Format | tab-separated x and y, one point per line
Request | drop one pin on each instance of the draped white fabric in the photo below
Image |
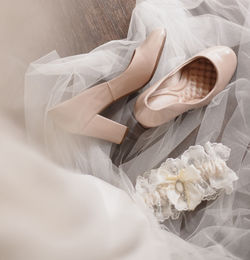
217	229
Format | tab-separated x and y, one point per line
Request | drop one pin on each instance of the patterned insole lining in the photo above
193	83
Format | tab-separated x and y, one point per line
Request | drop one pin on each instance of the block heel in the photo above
103	128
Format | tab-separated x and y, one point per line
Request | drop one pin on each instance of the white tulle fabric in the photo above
218	229
181	184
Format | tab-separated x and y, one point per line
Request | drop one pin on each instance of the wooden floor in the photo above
105	20
89	23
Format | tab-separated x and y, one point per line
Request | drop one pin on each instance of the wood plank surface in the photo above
106	20
87	24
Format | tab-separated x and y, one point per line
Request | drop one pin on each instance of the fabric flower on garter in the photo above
180	184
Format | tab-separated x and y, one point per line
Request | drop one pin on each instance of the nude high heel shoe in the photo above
80	115
191	85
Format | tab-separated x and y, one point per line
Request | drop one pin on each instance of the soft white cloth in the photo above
48	213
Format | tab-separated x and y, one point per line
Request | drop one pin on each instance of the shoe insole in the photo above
189	85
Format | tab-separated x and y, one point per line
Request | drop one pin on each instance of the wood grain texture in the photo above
90	23
107	20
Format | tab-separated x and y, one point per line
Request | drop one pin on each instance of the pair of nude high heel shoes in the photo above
191	85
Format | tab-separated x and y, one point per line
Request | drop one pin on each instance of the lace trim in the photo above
181	184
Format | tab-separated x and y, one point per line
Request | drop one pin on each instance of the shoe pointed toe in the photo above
225	61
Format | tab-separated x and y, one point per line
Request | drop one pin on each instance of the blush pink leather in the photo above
80	115
191	85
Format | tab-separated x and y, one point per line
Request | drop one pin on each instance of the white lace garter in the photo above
181	184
